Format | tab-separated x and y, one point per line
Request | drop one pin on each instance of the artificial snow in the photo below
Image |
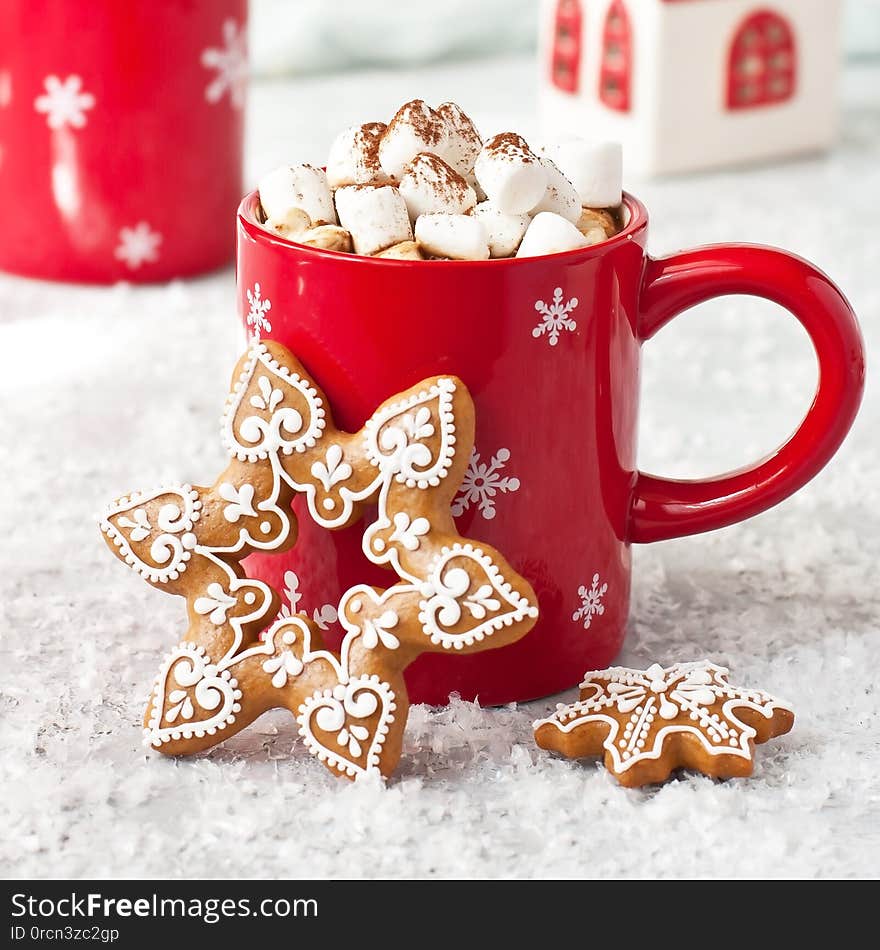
107	390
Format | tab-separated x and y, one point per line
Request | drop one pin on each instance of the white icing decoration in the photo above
241	501
331	711
376	631
140	527
215	603
655	697
394	437
408	533
283	665
447	600
332	470
285	430
216	692
256	594
174	540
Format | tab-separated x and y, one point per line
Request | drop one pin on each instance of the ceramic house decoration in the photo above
687	84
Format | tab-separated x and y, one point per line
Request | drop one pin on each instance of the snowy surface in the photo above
106	390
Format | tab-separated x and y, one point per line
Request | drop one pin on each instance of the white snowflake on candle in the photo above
230	61
256	317
482	482
138	245
555	317
5	88
591	602
64	102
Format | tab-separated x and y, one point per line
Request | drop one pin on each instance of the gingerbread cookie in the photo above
453	595
654	721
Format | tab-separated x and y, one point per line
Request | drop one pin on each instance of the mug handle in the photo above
669	508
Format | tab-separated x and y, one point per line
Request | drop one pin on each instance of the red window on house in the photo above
762	62
615	73
566	60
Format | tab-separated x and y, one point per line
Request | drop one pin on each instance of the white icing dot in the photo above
250	597
378	544
265	527
289	637
356	605
694	716
633	718
640	744
329	504
622	743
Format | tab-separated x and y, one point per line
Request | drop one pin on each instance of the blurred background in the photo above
305	36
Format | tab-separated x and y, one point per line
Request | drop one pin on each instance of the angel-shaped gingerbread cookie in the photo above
452	594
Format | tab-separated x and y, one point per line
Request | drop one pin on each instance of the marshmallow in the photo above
375	215
354	157
504	231
510	174
328	236
464	142
460	237
415	128
595	170
405	251
294	188
294	223
429	185
592	219
550	234
561	196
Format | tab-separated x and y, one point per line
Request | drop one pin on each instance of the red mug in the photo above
120	136
549	348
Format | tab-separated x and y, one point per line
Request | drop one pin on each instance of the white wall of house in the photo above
697	129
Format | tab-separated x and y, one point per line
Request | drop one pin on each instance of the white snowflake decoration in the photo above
323	616
591	602
64	102
482	482
138	245
256	318
555	317
230	61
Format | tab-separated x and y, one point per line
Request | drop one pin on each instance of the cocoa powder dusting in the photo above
459	121
418	115
367	140
511	146
432	170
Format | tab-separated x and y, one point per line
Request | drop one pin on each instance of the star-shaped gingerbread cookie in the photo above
651	722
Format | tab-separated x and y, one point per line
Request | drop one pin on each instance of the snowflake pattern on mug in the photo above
138	245
555	317
230	62
323	616
591	602
256	316
482	482
64	102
